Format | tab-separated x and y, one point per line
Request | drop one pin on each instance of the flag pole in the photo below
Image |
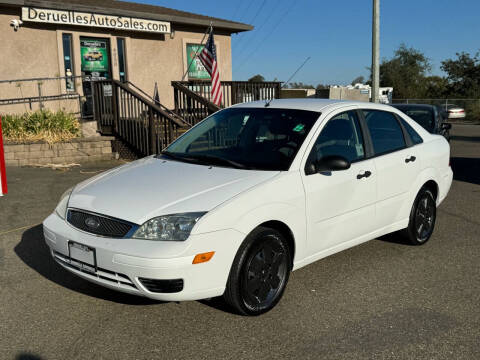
196	52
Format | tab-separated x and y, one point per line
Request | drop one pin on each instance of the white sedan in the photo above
455	112
250	194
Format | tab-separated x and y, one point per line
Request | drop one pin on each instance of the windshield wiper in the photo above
179	157
214	160
204	159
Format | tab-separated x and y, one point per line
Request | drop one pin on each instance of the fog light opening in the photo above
204	257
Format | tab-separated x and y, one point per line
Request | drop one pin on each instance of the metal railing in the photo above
123	112
28	94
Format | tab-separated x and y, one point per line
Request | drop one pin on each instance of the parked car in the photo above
93	56
455	112
432	118
248	195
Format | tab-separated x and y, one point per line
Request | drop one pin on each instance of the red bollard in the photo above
3	172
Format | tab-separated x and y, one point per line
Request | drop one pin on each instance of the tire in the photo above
422	218
259	273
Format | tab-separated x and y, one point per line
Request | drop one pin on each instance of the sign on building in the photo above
94	53
71	17
196	70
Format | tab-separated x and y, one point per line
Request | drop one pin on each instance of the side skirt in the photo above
348	244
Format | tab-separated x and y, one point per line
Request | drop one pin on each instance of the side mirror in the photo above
328	163
446	126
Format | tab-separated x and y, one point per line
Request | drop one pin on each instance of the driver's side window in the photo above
341	136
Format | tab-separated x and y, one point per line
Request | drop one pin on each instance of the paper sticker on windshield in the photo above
299	127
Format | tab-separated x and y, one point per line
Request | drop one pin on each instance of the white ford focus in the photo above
249	194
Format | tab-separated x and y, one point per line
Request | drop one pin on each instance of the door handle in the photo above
364	175
411	158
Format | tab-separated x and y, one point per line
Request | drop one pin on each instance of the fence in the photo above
30	94
235	92
471	106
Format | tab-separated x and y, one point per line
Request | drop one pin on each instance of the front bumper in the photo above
121	263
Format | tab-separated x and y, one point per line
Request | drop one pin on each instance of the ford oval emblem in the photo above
92	223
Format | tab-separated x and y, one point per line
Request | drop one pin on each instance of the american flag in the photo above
208	57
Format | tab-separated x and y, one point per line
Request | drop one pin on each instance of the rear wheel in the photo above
259	273
422	218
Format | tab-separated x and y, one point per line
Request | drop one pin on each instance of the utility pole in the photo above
375	51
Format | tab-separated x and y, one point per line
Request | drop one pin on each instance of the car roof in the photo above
311	104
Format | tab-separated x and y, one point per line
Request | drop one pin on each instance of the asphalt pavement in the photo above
380	300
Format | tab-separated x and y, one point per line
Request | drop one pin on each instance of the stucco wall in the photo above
150	60
36	50
27	53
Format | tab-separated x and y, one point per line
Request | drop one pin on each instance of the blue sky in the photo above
337	34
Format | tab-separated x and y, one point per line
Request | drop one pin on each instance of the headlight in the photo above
61	208
176	227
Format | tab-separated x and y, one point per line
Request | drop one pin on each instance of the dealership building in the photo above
53	49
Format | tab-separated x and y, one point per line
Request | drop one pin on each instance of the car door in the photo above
396	162
340	205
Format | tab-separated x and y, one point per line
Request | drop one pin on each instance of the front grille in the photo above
111	277
162	286
106	226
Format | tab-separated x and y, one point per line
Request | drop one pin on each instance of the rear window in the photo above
385	131
423	116
416	139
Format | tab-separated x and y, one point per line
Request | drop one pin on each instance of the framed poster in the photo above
94	55
196	70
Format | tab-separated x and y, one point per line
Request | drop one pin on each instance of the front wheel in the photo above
259	273
422	218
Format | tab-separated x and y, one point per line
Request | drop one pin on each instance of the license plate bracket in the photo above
82	256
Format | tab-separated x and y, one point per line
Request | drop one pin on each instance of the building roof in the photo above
125	8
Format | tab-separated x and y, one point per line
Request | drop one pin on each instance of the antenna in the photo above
267	104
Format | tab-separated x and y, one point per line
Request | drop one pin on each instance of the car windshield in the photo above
246	138
424	117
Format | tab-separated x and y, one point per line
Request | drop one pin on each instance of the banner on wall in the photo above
94	53
196	70
3	173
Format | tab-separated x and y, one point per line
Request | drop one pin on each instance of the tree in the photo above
357	80
300	85
257	78
406	73
463	75
436	87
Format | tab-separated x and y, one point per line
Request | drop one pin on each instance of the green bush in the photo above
41	125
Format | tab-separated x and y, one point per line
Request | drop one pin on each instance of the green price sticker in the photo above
299	127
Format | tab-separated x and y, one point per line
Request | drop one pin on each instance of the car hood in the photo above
151	187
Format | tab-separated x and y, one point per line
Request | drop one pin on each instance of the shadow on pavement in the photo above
218	303
465	138
33	251
27	356
466	169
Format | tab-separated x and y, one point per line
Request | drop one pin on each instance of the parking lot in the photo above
379	300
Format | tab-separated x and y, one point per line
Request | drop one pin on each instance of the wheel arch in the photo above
433	187
285	231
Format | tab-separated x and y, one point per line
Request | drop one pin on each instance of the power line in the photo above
246	10
268	35
253	33
239	4
258	11
256	32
